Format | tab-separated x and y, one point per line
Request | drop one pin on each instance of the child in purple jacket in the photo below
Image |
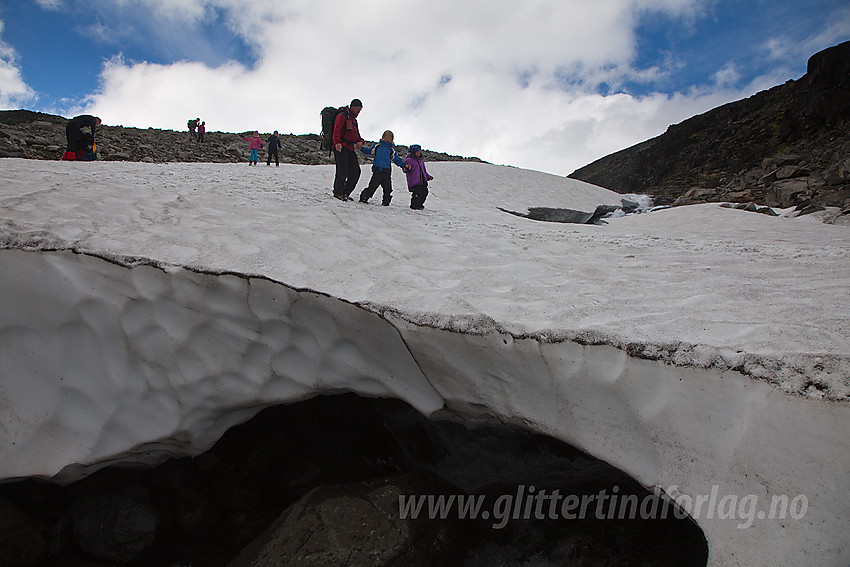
256	143
417	177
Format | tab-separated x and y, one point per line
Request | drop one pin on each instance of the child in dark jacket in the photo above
417	177
273	150
385	156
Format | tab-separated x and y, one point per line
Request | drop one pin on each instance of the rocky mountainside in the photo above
35	135
787	146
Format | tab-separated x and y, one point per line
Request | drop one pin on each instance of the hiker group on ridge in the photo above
340	136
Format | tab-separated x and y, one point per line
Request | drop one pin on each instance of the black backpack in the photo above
329	114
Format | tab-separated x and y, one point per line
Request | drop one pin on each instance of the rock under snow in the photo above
703	350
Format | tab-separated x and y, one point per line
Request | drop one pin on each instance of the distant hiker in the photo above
346	139
193	125
274	146
80	147
202	129
256	143
385	156
417	177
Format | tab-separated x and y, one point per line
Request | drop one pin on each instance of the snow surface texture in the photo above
147	308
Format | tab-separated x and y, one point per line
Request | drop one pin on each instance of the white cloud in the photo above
727	76
181	11
14	92
508	85
50	4
781	48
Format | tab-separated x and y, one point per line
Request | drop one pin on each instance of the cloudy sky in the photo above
540	84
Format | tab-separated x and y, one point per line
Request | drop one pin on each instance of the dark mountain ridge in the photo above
786	146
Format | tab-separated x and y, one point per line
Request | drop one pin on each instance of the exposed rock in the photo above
113	527
786	193
629	206
571	216
780	160
317	483
808	207
27	134
790	171
738	150
751	207
559	215
358	525
695	195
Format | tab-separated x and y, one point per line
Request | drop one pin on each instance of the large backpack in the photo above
329	114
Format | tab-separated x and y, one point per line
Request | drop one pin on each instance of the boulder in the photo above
746	196
549	214
629	206
808	207
780	160
114	527
791	171
769	178
695	195
358	525
786	192
751	207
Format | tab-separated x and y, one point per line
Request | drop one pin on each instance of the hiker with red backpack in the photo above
346	140
79	143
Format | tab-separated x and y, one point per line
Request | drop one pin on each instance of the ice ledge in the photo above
107	359
818	376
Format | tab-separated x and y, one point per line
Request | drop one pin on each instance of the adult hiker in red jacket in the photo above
346	140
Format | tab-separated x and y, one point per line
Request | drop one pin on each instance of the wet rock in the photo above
629	206
559	215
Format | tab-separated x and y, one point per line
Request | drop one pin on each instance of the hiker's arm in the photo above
339	124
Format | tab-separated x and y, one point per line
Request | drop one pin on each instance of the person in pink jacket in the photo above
256	143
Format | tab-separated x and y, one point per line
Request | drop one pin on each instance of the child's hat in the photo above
415	148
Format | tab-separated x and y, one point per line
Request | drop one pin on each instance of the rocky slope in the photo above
27	134
786	146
